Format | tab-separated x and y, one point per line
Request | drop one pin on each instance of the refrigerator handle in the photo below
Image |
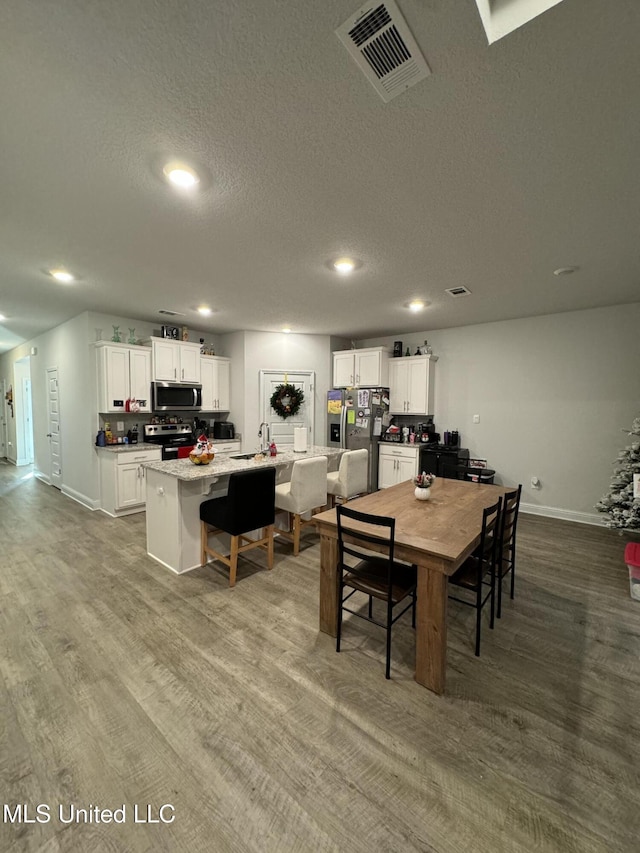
343	427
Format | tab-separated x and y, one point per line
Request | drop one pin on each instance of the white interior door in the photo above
281	431
27	421
53	410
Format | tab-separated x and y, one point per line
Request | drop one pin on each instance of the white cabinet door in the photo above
222	394
411	385
129	491
215	377
386	471
417	382
117	378
140	378
207	371
371	368
343	369
166	361
123	373
407	469
398	379
189	363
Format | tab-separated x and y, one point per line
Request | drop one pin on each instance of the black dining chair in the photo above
478	572
507	544
366	564
248	505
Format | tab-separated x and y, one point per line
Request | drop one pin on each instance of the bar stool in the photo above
351	477
248	505
306	491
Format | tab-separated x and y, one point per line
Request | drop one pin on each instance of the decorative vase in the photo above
422	494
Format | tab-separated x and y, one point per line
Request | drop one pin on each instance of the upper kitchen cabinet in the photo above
411	385
216	383
124	373
364	368
175	361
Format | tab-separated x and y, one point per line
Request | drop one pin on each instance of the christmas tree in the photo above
621	506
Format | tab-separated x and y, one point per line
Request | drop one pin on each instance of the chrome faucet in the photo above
263	433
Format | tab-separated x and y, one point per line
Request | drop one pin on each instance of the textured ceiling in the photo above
509	161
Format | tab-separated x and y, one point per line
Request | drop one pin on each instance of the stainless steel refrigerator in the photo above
356	419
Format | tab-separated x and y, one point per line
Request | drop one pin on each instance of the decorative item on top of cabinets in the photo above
116	335
411	384
132	337
363	368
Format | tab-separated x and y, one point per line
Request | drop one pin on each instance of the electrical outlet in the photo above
476	419
120	426
535	483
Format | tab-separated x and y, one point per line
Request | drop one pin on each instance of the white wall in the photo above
553	394
251	352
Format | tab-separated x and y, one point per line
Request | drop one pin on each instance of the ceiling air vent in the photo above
170	313
458	291
379	40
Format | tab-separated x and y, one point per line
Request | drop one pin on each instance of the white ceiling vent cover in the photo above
458	291
378	38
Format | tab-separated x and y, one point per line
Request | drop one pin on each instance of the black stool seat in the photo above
248	505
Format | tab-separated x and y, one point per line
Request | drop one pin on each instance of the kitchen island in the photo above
176	488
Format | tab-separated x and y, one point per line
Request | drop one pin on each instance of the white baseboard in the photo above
80	498
565	514
40	476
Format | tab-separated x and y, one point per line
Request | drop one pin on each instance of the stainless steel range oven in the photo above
170	437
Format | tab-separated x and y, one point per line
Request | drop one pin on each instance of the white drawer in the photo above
407	451
131	456
226	446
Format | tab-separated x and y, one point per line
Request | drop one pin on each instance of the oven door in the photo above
176	397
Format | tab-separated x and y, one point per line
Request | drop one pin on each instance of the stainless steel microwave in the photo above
176	397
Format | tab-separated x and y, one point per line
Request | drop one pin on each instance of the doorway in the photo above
23	412
281	431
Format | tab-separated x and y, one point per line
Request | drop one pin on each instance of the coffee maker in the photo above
427	432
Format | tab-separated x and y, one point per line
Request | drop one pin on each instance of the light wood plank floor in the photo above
123	683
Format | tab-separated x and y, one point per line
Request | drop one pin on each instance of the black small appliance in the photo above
224	430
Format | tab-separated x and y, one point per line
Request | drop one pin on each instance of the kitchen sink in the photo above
243	456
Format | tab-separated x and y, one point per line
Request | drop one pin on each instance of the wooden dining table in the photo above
437	535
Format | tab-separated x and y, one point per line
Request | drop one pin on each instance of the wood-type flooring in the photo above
123	684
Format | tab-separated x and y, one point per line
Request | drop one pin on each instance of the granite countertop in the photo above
128	448
184	469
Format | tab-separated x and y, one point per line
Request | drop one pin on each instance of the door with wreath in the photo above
282	422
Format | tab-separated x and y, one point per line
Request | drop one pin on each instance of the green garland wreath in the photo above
286	400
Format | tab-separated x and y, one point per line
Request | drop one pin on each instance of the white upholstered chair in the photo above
351	477
306	491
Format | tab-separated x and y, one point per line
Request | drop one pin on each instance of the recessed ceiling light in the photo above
62	276
565	270
2	317
287	330
181	175
344	266
416	305
204	310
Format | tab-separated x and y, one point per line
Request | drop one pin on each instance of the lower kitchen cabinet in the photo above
123	480
397	464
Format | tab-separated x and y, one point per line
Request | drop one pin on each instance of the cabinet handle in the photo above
357	378
183	372
175	373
